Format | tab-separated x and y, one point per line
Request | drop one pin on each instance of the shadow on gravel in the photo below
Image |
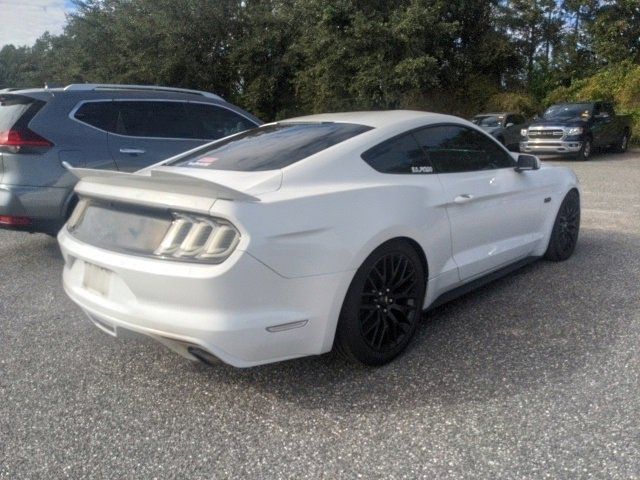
531	329
30	248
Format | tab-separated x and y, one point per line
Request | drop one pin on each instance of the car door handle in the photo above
464	198
132	151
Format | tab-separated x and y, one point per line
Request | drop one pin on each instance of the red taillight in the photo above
12	221
23	138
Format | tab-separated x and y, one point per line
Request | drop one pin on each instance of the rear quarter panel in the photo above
320	229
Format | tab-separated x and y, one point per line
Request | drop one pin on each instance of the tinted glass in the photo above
271	147
153	119
212	122
399	155
569	110
488	121
12	108
608	107
453	149
101	115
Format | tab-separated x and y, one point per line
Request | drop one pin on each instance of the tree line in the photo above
279	58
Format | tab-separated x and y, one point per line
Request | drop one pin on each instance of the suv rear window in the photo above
12	109
271	147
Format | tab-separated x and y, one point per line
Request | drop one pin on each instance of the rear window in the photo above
13	108
271	147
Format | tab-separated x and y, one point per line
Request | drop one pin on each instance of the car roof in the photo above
495	114
375	119
90	91
586	102
95	92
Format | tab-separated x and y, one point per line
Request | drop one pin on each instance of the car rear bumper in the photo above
240	311
550	147
43	206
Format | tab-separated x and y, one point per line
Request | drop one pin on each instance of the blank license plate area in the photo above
96	279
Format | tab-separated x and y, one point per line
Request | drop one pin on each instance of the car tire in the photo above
383	305
566	229
585	152
623	143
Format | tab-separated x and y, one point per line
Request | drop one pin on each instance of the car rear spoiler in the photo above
158	180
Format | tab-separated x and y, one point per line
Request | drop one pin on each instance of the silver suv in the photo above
118	127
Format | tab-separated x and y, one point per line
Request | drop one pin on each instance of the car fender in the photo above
562	181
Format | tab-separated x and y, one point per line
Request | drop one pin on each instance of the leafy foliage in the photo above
279	58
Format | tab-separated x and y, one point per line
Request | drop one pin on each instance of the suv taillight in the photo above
23	138
16	111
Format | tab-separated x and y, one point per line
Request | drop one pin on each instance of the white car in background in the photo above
287	239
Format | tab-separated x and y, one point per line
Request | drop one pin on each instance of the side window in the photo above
101	115
608	107
212	122
518	120
398	155
453	149
152	119
597	109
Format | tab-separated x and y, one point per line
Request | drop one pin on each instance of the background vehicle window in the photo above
608	107
487	120
102	115
398	155
213	122
597	109
153	119
453	149
271	147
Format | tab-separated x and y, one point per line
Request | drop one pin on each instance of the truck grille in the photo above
550	134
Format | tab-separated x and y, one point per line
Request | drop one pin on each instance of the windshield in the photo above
271	147
488	121
568	111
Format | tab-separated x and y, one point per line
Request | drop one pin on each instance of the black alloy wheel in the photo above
566	228
388	302
383	305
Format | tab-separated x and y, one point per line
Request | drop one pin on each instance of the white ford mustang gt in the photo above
288	239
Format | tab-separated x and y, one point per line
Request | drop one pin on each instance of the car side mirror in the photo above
510	124
527	162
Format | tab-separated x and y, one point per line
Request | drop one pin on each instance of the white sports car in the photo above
305	234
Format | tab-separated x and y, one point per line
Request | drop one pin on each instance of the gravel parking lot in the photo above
534	376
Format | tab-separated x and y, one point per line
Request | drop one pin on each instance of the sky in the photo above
23	21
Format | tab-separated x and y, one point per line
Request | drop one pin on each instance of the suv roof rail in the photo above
157	88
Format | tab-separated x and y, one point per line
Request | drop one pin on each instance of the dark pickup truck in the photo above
576	129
